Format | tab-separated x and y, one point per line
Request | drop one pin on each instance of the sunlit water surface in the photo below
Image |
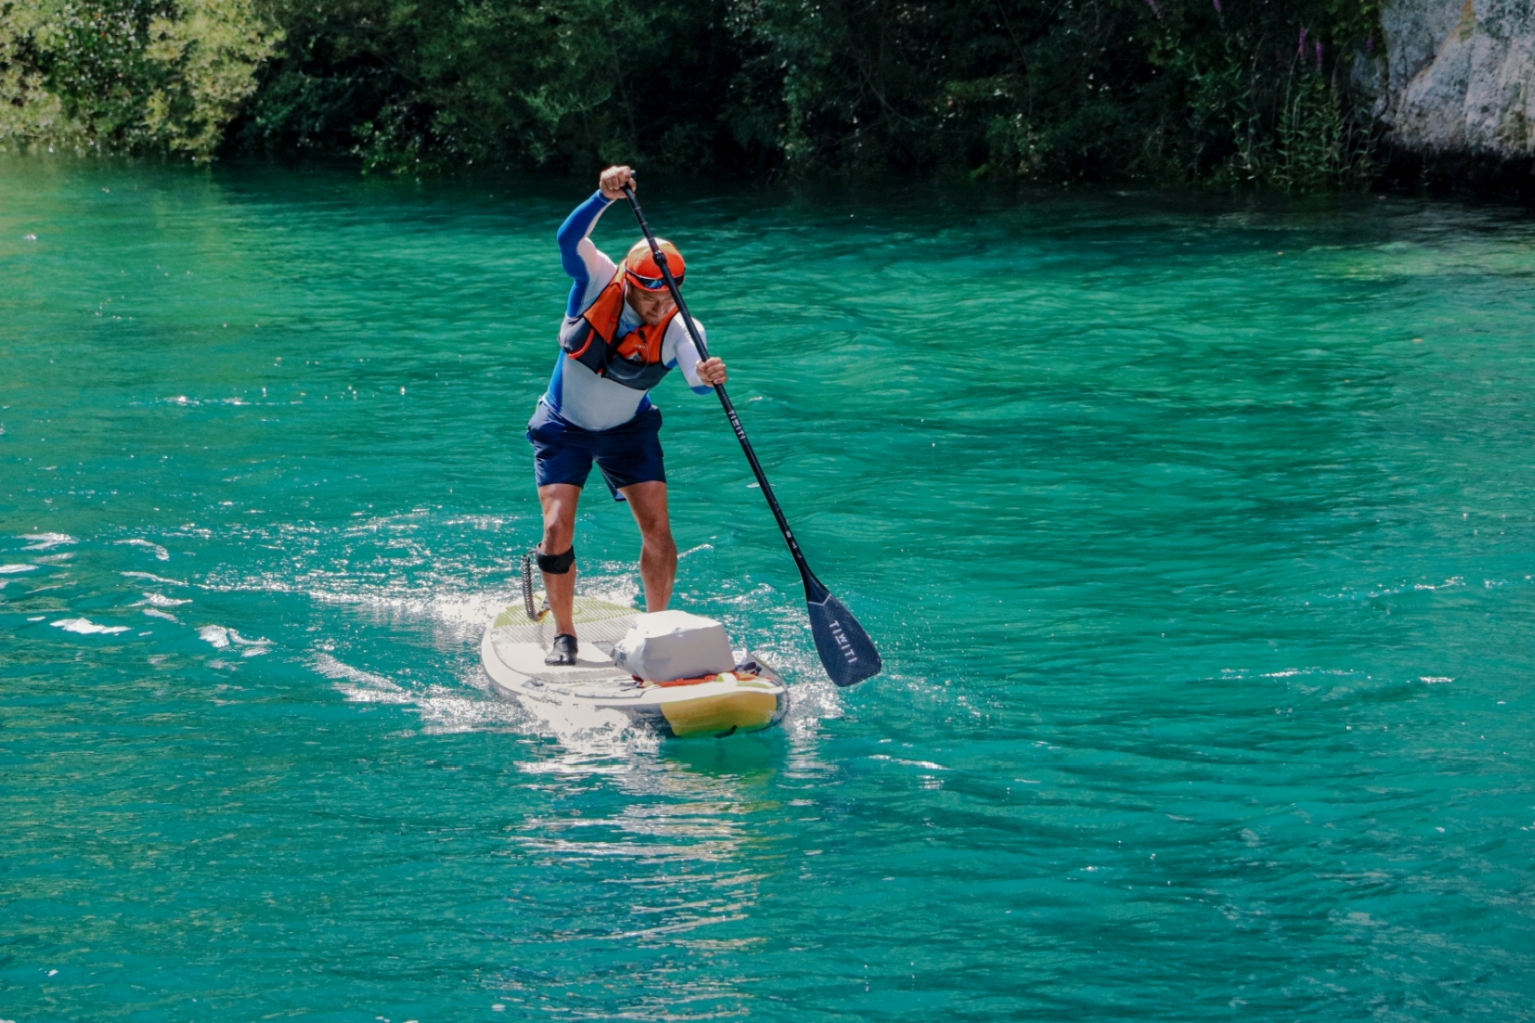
1197	537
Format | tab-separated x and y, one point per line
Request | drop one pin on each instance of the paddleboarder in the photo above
621	335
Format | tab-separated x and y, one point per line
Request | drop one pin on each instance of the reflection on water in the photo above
675	857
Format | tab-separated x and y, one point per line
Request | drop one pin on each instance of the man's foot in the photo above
563	651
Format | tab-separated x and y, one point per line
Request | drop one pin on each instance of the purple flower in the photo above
1217	4
1369	44
1153	5
1300	47
1319	55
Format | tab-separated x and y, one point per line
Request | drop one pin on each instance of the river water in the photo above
1197	537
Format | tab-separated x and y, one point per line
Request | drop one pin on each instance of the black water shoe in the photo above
563	651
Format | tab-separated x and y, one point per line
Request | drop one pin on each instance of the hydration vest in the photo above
634	359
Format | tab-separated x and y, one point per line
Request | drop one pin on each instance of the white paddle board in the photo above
748	699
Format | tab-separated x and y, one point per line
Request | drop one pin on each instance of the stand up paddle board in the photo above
751	697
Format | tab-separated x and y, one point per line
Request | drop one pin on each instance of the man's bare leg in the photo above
658	551
559	504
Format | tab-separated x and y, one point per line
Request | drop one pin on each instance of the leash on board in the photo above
527	589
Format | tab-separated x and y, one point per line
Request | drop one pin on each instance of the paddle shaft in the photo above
813	588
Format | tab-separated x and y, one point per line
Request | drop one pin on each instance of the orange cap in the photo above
640	266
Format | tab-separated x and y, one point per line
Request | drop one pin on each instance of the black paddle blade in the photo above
846	651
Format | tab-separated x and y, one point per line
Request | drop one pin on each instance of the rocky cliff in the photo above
1460	83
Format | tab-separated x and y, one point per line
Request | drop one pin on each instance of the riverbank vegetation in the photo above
1271	93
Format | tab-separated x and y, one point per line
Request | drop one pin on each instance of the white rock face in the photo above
1462	75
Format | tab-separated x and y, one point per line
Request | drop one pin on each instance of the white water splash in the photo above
458	615
214	634
220	638
160	553
159	600
47	541
152	578
358	685
443	709
86	627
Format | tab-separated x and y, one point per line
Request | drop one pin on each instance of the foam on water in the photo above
160	600
86	627
152	578
47	541
160	553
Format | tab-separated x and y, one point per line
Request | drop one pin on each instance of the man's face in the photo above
653	306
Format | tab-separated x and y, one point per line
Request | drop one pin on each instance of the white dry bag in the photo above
669	645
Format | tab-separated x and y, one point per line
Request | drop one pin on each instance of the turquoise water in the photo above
1197	538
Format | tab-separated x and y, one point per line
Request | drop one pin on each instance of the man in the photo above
620	336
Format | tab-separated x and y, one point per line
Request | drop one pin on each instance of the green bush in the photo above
1231	92
128	74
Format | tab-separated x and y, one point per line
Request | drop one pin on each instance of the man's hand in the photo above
613	180
711	372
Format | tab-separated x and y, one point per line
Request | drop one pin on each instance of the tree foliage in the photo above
128	74
1259	91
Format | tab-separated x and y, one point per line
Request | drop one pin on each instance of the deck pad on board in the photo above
521	644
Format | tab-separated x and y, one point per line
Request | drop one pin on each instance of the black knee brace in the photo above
555	564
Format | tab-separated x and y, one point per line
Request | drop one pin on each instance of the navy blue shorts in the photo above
563	452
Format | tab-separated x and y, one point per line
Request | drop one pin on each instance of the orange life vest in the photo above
633	359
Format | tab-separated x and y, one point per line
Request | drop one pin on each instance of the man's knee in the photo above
658	543
558	535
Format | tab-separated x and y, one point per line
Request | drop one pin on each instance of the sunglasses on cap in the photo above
650	283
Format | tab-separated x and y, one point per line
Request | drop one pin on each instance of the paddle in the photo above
846	651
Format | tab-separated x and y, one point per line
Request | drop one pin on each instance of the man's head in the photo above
647	292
